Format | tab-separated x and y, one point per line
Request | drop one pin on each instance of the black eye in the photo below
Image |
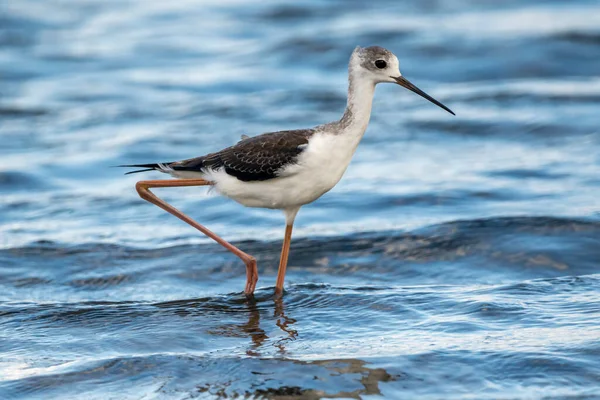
380	64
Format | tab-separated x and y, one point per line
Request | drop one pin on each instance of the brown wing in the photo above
258	158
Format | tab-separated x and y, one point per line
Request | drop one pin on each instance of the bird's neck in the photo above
358	110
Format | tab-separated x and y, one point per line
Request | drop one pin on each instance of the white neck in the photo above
358	110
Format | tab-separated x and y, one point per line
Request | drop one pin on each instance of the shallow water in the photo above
457	258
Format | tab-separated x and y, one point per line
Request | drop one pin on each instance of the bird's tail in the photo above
162	167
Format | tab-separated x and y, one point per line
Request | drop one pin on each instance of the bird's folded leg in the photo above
143	188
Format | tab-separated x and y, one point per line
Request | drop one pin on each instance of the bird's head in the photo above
380	65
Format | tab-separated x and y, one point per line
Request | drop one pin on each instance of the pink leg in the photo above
143	188
285	252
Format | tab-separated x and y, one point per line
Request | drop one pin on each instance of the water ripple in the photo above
457	258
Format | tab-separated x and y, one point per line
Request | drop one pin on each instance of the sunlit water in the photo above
458	257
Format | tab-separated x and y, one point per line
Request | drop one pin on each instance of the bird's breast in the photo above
327	156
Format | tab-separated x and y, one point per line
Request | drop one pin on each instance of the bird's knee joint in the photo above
142	188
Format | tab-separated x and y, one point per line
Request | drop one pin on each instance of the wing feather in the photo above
257	158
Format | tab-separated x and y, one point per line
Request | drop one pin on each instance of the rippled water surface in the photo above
457	258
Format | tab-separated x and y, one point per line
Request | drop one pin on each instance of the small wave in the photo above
14	181
579	37
6	112
478	249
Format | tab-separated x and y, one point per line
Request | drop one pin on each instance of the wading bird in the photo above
288	169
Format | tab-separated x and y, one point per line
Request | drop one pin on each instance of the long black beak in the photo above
402	81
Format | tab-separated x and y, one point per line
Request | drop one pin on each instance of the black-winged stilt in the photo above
288	169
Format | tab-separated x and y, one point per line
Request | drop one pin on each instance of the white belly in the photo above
320	167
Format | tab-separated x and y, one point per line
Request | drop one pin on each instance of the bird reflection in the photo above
283	322
347	378
253	329
368	378
258	335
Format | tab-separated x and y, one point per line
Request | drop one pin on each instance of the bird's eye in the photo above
380	64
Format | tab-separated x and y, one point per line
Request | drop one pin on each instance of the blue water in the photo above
457	258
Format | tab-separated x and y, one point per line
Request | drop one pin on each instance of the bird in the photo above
284	170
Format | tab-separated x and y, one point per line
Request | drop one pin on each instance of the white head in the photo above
379	65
